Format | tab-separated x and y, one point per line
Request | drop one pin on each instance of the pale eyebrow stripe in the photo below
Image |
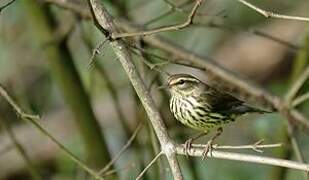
172	82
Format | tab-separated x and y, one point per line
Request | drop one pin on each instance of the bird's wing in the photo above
225	103
219	101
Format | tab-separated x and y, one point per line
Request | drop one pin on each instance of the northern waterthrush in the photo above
199	106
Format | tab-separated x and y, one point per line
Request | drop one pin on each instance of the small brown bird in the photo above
199	106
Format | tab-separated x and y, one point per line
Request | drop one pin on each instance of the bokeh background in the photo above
45	51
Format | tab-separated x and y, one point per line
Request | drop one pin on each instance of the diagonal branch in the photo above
6	5
297	85
297	101
20	149
104	22
122	150
33	119
148	166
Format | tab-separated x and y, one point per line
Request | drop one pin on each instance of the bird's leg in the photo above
208	147
189	142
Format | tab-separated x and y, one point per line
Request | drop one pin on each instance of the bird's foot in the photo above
188	145
208	149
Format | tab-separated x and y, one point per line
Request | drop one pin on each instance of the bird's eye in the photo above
181	82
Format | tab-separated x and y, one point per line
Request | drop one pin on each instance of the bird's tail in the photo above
243	109
249	109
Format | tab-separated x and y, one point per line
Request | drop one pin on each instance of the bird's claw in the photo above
207	149
188	145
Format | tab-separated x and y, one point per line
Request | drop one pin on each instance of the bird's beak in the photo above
163	86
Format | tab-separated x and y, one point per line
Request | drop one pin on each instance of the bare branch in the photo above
167	13
163	29
152	66
297	85
18	110
86	14
95	51
299	100
244	157
290	45
149	165
295	145
6	5
83	12
106	25
20	149
123	149
173	7
290	126
269	14
33	119
125	168
257	146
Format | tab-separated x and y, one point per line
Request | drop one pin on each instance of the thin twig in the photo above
113	171
172	6
296	86
255	147
265	35
79	10
178	8
33	119
149	165
108	82
95	51
6	5
30	166
152	66
163	29
290	126
123	149
299	100
75	7
295	145
244	157
254	31
269	14
18	110
167	13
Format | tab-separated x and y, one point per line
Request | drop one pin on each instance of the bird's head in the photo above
183	85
